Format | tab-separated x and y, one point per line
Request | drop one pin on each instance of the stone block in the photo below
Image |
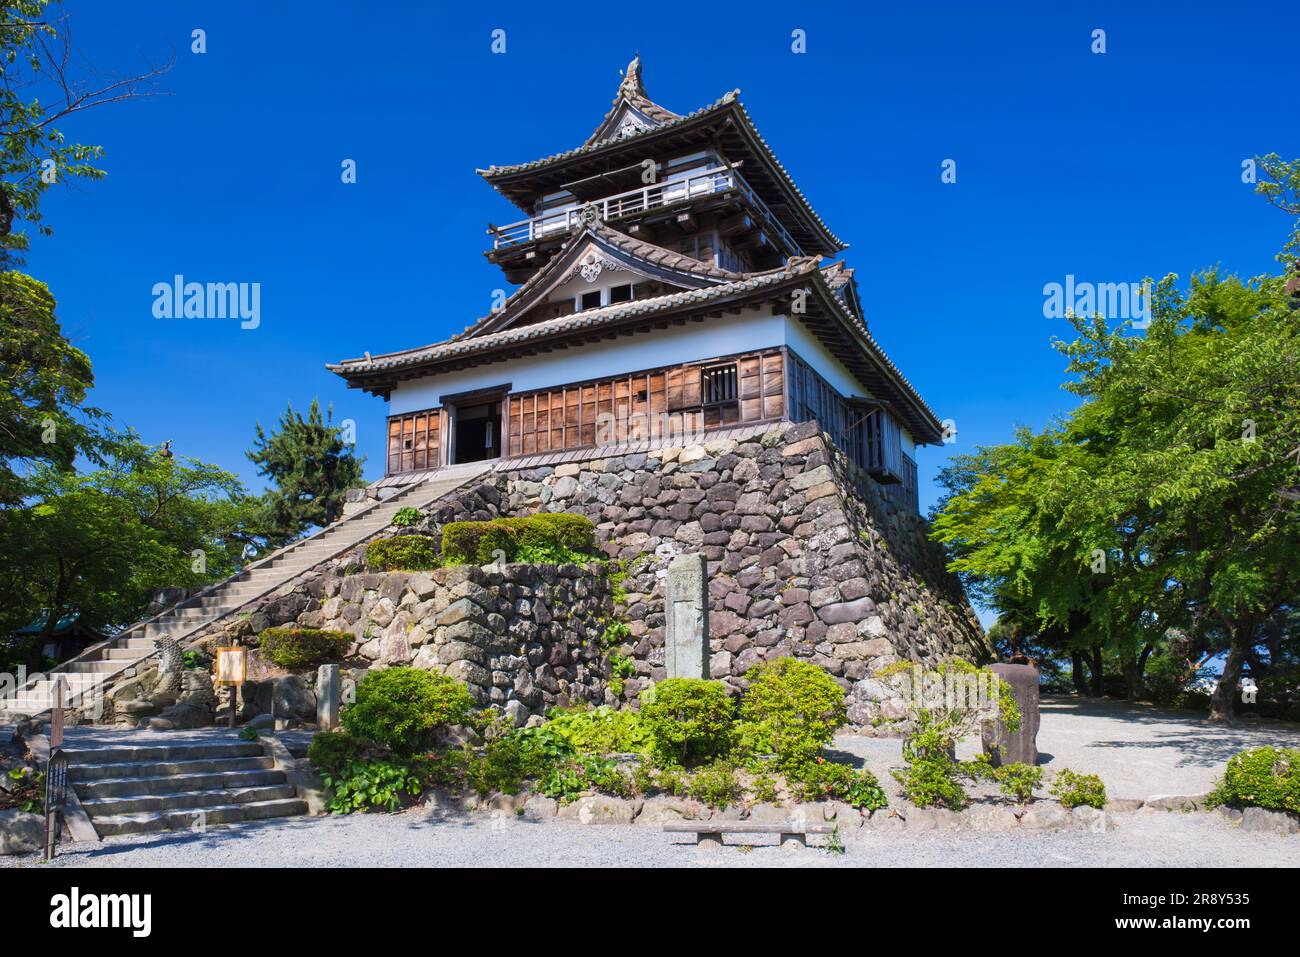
686	651
1020	747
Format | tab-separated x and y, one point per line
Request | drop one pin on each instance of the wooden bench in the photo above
709	833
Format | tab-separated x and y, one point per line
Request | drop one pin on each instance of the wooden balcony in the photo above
711	184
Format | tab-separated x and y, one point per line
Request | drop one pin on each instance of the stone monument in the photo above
327	697
1020	747
686	625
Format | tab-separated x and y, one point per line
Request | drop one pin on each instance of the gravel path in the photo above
412	839
1138	751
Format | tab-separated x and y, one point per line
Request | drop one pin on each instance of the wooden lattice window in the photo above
718	384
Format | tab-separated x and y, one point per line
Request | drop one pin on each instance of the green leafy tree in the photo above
103	541
43	381
40	85
312	468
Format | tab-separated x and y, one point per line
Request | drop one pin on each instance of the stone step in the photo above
172	783
145	821
127	654
134	754
176	800
125	770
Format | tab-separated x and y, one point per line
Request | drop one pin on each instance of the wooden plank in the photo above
747	827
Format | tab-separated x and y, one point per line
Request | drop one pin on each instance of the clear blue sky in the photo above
1110	167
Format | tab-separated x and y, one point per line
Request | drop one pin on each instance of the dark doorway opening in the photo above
478	433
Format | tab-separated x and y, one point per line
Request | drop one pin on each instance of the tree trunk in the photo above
1224	696
1076	673
1095	664
1133	679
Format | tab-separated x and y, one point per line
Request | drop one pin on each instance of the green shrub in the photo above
715	784
406	553
932	776
688	720
1261	777
303	647
1073	789
376	784
1019	781
565	780
547	537
329	751
822	780
407	517
402	709
602	730
797	706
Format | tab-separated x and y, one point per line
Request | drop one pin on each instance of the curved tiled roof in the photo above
632	92
636	248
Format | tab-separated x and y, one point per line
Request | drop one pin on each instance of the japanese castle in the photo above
672	279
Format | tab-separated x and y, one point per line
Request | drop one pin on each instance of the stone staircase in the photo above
129	783
88	675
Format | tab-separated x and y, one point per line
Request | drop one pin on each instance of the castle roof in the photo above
636	125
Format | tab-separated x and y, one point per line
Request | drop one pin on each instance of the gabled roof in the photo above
593	248
633	110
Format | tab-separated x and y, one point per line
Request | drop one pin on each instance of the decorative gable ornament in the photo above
593	264
630	126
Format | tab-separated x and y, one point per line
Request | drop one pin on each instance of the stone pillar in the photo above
686	629
999	743
327	697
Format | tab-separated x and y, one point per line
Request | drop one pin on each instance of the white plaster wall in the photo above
693	342
810	349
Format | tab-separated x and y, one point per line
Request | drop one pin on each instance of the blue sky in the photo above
1108	167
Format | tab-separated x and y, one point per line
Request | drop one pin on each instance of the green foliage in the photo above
510	760
565	780
543	538
1073	789
796	706
403	709
822	780
372	785
1019	781
303	647
715	784
402	553
932	776
407	517
1265	777
247	733
602	730
26	792
688	720
312	467
330	751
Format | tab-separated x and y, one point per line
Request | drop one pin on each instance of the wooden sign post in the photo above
232	670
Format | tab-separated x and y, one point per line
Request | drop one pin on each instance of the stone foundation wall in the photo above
806	556
522	637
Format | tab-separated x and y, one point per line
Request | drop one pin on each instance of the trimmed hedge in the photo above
407	553
688	719
531	537
303	647
403	709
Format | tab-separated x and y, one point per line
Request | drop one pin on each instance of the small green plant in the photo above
402	553
303	647
247	733
330	751
614	634
1073	789
371	785
1019	781
763	788
796	706
822	780
407	517
1261	777
403	709
688	719
932	776
715	785
602	730
834	843
27	793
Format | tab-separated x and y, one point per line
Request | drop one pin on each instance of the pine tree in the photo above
312	468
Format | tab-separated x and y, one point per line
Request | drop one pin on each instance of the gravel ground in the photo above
412	839
1138	751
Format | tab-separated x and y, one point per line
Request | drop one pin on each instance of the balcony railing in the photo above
639	201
